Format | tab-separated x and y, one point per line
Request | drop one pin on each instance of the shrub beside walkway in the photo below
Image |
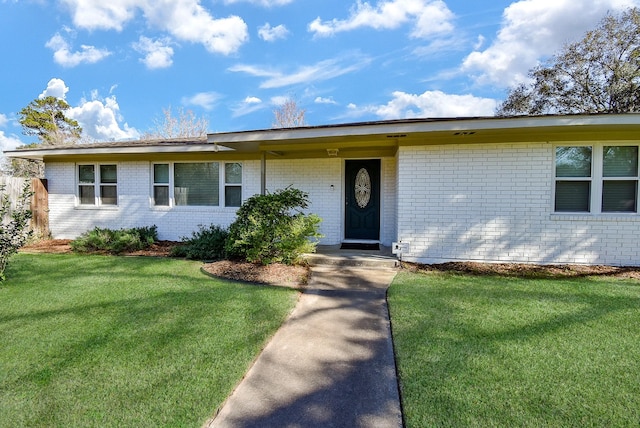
330	364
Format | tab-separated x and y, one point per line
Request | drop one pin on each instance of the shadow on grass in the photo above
107	341
491	351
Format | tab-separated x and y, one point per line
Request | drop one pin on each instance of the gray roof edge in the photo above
211	141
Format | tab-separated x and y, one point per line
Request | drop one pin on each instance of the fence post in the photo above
40	207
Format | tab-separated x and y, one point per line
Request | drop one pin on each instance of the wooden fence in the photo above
39	201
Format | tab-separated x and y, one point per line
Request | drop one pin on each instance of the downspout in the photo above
263	174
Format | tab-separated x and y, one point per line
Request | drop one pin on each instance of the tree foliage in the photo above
184	125
46	119
598	74
289	115
14	225
273	228
26	168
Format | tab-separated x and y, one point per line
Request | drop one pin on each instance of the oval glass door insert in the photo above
363	188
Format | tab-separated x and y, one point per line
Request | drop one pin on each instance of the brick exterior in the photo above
315	176
494	203
482	202
134	204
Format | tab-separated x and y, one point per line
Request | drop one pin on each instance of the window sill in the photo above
97	207
612	217
196	208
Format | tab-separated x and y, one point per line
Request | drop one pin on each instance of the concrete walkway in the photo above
331	364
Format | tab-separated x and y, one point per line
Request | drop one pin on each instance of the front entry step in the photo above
334	256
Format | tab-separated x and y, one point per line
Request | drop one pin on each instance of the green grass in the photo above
118	341
496	351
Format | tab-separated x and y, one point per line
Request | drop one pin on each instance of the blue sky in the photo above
118	63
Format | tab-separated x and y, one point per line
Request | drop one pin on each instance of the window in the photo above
602	179
573	179
620	179
233	184
197	184
161	184
98	184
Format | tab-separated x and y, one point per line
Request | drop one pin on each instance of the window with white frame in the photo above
232	184
596	179
197	184
98	184
161	184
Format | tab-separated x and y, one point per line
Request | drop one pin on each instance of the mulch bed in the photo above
522	270
296	276
274	274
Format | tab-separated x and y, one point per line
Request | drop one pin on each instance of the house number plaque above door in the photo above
363	188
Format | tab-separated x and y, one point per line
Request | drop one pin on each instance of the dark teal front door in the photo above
362	192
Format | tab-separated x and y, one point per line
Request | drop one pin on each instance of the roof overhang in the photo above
363	139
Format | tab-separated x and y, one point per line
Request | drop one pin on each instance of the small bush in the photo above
14	225
273	228
115	241
208	243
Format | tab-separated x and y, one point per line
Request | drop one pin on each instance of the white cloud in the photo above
323	70
534	29
429	104
271	34
206	100
265	3
186	20
100	119
322	100
103	15
247	106
429	18
63	55
158	53
7	142
55	88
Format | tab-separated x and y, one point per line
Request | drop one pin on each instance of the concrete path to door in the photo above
330	365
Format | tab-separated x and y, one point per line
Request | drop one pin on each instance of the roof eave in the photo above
40	154
392	128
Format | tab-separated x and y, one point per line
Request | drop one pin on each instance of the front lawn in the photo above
122	341
499	351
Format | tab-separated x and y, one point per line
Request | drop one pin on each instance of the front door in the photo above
362	193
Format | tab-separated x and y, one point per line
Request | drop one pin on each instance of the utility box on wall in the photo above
399	247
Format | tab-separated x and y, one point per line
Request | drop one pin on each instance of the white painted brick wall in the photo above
389	205
493	203
134	204
314	176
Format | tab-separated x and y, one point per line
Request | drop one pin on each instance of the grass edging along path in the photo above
501	351
125	341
